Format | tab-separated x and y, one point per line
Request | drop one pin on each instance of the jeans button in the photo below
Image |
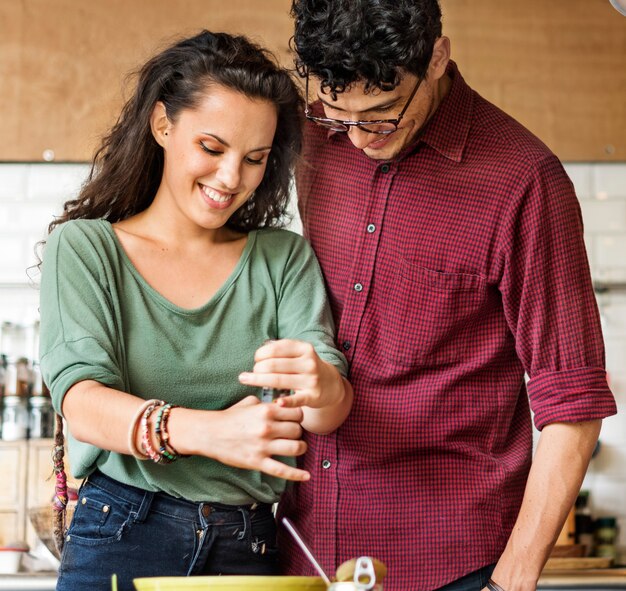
206	510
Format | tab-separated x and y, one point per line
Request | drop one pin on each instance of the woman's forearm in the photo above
327	419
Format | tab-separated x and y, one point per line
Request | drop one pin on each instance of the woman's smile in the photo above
215	198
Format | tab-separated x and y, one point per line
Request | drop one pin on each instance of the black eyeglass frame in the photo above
344	126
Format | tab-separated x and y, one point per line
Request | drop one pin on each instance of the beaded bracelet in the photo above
160	428
145	433
132	432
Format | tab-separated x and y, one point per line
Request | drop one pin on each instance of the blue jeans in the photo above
134	533
474	581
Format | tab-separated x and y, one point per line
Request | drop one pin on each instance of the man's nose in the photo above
359	137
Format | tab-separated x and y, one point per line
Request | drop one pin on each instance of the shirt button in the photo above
371	228
326	464
346	345
358	287
385	168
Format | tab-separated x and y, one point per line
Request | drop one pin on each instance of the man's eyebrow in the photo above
368	110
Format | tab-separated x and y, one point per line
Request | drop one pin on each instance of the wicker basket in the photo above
42	519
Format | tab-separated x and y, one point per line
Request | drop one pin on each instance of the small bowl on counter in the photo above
11	557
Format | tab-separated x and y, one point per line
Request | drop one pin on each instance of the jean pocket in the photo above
263	536
100	517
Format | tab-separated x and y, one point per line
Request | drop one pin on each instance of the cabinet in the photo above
28	482
63	64
558	67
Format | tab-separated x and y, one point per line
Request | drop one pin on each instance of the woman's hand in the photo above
246	435
317	385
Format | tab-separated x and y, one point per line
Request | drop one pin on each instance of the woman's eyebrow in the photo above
227	145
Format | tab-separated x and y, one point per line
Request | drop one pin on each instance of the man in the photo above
451	242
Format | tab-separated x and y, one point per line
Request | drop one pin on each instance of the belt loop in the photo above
247	525
144	507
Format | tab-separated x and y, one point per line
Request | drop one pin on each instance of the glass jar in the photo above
41	418
14	418
16	377
37	385
606	533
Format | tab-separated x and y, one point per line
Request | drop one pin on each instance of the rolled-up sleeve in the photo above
549	301
78	334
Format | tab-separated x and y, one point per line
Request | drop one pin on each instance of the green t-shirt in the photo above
100	320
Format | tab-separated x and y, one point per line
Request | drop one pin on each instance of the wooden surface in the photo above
62	63
29	483
13	462
558	66
581	563
594	578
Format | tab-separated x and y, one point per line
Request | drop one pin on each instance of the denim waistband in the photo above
167	504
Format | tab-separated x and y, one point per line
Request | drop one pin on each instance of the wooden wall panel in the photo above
62	62
558	66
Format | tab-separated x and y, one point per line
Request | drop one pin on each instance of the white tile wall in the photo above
30	194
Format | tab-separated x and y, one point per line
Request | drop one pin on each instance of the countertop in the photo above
45	581
601	578
591	579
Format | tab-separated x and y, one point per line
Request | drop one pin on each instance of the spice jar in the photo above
584	523
41	418
16	377
606	533
14	418
37	385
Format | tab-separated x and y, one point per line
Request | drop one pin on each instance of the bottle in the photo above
606	533
584	523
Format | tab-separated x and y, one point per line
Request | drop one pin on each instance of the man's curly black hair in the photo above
371	41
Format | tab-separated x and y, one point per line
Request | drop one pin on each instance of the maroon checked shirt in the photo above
452	271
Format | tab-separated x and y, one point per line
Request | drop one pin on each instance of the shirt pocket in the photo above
432	316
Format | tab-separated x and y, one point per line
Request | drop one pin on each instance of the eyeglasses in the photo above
381	126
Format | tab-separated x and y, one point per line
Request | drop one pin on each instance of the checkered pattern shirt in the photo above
452	271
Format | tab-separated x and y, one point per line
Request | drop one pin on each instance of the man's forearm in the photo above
557	471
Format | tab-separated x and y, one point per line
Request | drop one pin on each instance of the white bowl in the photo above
10	560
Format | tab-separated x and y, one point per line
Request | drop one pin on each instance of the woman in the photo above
167	302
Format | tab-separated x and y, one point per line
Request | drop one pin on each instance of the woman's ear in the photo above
160	124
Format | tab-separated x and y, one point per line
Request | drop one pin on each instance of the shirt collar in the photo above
449	126
447	129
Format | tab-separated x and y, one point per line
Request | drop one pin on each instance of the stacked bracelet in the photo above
145	433
132	433
166	451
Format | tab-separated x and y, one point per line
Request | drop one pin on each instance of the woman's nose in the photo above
229	174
